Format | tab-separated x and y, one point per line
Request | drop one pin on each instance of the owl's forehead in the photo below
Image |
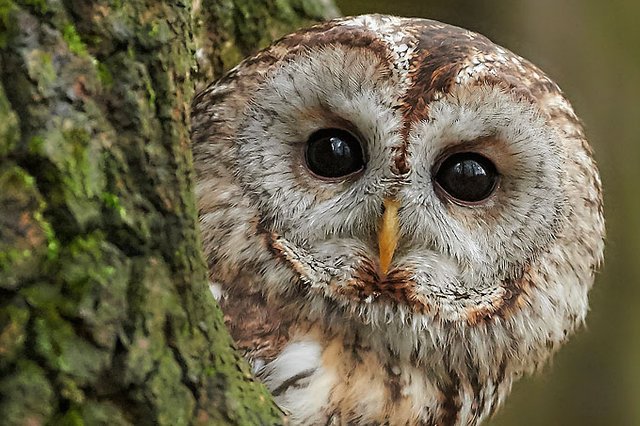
428	58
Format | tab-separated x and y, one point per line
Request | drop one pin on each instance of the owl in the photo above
400	219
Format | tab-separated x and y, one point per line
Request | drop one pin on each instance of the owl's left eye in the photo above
334	153
467	177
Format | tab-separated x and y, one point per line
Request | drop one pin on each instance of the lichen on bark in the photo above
105	315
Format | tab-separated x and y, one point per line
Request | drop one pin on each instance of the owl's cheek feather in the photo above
417	285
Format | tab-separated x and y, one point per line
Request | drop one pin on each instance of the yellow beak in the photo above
388	234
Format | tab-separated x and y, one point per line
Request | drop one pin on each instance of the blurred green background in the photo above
591	48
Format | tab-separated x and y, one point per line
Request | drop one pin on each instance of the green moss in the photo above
230	55
174	402
70	390
76	45
71	418
57	343
102	413
14	320
77	165
94	276
41	70
150	92
9	128
53	246
111	290
7	21
23	177
112	201
155	30
38	6
36	144
148	344
87	265
11	256
154	33
104	75
22	235
27	395
86	244
75	155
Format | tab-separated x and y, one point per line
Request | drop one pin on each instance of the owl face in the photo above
451	252
406	177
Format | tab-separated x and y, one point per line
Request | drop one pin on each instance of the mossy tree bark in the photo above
105	315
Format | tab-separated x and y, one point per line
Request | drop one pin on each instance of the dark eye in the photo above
334	153
467	177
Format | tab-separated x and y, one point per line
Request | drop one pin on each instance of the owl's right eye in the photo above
334	153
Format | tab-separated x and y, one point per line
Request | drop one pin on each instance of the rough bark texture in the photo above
105	315
229	30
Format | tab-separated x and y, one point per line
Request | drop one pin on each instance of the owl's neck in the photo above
325	376
324	368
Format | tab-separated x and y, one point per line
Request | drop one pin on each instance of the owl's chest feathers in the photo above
339	379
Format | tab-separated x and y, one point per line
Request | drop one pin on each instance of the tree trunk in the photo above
105	314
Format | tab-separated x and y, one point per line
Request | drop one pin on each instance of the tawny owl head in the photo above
403	180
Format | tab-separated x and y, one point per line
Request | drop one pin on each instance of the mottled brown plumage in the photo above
476	294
